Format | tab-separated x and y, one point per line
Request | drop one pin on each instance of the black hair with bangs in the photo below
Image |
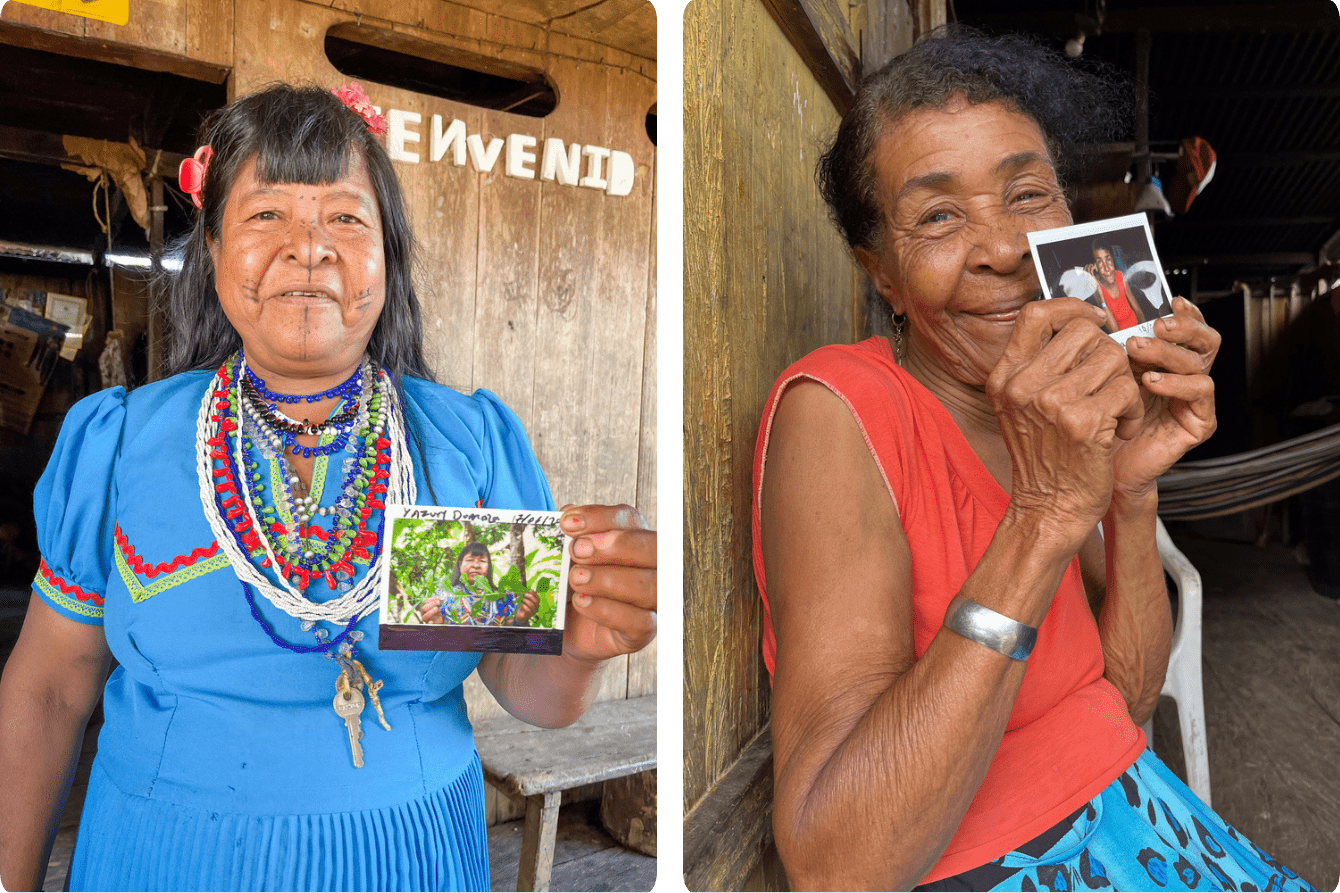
296	135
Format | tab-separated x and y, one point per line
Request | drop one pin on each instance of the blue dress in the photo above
221	764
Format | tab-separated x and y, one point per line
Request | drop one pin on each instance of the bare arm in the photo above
50	686
879	755
611	611
1131	606
1135	620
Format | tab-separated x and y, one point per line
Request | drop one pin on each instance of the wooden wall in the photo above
766	280
541	293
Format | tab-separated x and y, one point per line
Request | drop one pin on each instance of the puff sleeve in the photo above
73	504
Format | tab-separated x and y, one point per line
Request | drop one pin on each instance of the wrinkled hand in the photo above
1178	396
530	603
1064	399
431	611
612	583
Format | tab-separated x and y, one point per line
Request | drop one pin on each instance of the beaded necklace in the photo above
253	535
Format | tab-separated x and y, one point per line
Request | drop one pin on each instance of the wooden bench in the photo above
535	766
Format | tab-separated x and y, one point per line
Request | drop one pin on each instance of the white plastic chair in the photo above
1183	682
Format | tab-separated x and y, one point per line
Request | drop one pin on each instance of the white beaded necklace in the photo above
362	598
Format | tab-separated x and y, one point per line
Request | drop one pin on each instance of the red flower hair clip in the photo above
352	95
191	175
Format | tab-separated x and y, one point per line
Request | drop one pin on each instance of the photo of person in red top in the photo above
1126	306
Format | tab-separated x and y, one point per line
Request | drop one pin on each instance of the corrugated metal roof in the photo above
1262	92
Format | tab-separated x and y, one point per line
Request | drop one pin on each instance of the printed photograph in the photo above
1113	265
471	579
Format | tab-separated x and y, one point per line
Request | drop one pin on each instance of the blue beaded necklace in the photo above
344	389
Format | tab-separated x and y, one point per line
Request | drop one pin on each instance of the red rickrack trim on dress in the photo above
139	566
67	588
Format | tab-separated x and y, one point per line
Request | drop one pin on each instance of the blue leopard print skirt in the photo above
1145	831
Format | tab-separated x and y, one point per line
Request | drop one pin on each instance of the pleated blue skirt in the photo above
436	842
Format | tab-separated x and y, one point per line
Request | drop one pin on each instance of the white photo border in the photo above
1040	238
454	637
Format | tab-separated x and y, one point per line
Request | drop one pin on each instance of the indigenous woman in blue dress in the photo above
471	597
220	532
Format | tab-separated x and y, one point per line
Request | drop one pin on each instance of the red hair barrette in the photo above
352	95
191	175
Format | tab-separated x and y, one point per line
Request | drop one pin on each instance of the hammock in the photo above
1211	487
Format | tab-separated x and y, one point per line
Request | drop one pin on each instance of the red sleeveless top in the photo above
1069	734
1119	303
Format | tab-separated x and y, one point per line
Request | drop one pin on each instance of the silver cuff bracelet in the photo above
987	627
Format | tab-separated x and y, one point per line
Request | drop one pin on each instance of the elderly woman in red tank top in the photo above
961	661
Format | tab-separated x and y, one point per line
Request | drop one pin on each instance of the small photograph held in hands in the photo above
474	579
1111	264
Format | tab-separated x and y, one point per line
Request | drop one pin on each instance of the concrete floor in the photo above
1271	666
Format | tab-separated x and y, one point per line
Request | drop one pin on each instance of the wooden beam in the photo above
819	31
1288	18
1268	259
41	147
730	828
109	51
1239	222
1278	157
1272	92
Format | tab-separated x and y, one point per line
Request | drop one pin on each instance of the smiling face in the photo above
960	187
300	272
1106	267
473	565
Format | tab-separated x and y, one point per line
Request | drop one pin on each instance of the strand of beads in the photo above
304	546
342	389
383	473
281	430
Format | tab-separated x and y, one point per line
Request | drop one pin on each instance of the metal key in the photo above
349	709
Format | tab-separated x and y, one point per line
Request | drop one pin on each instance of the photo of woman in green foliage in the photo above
442	572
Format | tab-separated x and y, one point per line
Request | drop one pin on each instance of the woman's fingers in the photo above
609	534
431	611
613	557
578	519
1038	324
637	626
1182	344
633	585
1191	400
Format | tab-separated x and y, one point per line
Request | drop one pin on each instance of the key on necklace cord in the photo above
349	707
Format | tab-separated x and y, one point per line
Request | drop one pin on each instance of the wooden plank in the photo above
209	31
591	318
445	201
755	243
819	32
537	842
704	89
505	334
646	449
585	858
629	25
101	49
614	738
153	24
48	21
730	829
